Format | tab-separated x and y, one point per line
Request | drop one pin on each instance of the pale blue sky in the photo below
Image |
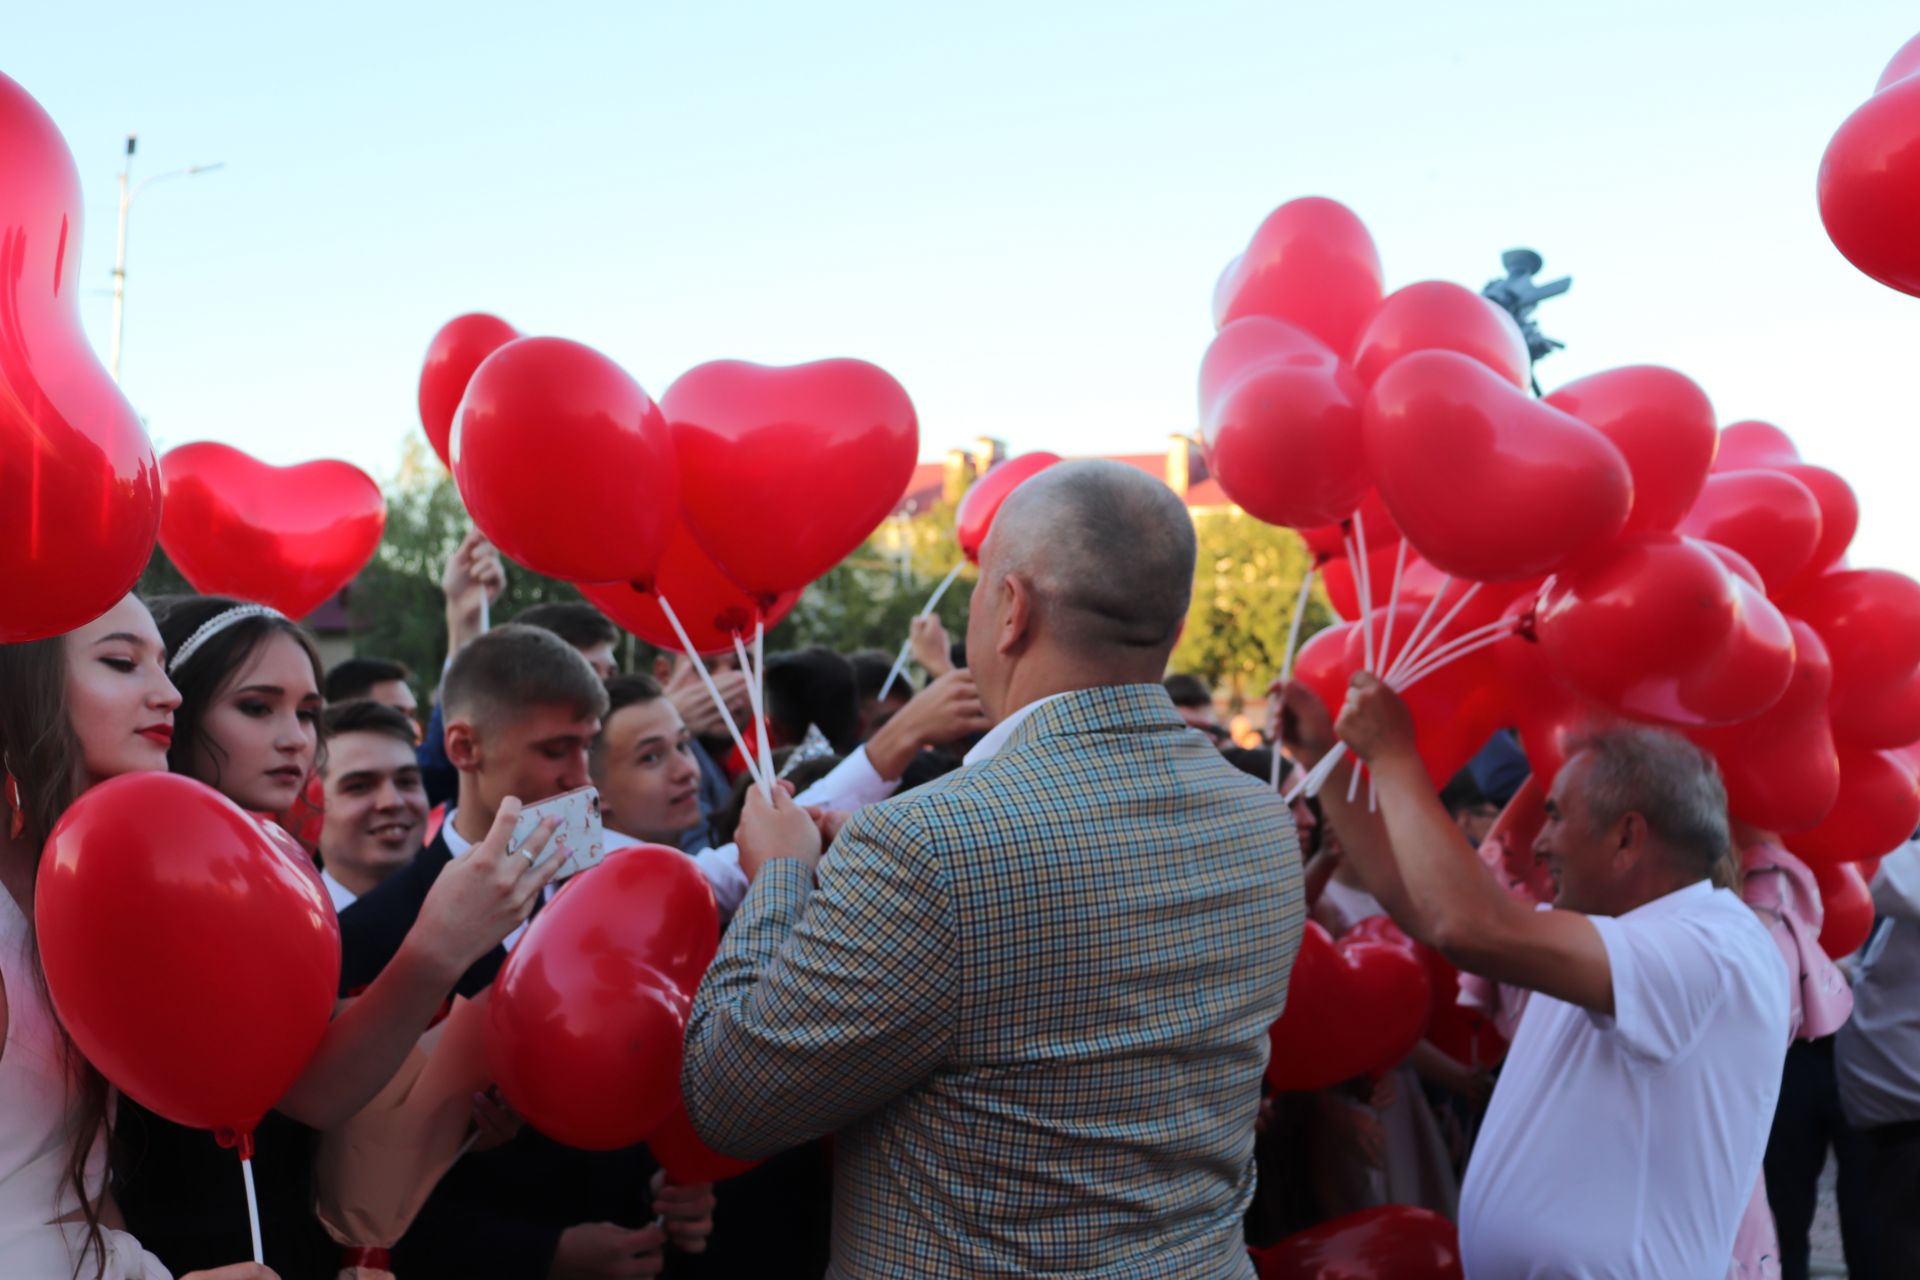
1019	210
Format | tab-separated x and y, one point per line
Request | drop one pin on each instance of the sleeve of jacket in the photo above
826	1001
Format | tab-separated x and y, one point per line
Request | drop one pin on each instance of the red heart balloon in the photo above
1904	64
1484	481
1280	420
1343	593
1846	908
1353	1007
224	960
1312	264
1662	423
1877	811
1392	1242
565	463
1869	184
290	537
1751	444
1770	518
1870	620
707	603
1371	517
588	1014
688	1161
1656	627
981	503
1437	315
1466	1035
1550	715
820	453
1781	768
79	490
455	352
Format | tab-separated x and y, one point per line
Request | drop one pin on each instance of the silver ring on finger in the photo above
528	855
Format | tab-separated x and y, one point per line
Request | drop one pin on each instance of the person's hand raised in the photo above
483	895
930	646
474	578
945	711
1375	724
690	698
777	828
1306	727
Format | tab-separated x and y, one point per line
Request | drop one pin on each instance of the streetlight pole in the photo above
127	192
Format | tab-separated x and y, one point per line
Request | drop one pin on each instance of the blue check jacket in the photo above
1031	1000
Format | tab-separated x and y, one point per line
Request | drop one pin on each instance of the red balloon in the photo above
455	352
1280	419
1353	1007
79	489
1486	482
1656	627
588	1014
1839	516
1421	582
189	954
290	537
1392	1242
1869	184
1770	518
1312	264
1877	812
565	463
1847	908
1343	593
1662	423
1465	1035
1328	542
1781	768
981	502
1550	715
1436	315
1870	620
687	1160
1747	445
1904	64
707	603
820	453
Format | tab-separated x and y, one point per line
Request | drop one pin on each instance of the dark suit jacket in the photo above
497	1213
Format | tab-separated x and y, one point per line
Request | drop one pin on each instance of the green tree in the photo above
1246	582
868	600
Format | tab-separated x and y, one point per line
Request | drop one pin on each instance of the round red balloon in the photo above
1437	315
589	1012
686	1159
1846	908
1371	517
1878	810
1312	264
1550	715
982	500
1485	481
1392	1242
1465	1035
79	489
1662	423
192	958
1870	620
819	453
1869	186
1781	768
455	352
1353	1007
565	463
290	537
705	600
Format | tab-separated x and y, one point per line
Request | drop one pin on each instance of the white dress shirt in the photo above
996	737
342	896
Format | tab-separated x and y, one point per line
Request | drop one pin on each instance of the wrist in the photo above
431	962
892	748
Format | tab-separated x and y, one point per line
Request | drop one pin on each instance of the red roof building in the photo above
1183	468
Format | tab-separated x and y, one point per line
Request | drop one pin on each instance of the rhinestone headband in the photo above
214	626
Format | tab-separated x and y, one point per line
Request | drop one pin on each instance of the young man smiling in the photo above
376	807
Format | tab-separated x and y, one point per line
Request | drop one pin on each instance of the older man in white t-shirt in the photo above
1626	1133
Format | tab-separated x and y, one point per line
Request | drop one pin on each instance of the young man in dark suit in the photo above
522	709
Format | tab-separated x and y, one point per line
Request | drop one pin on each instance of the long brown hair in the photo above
42	754
213	665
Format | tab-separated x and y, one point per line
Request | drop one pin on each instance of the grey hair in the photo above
1108	549
1665	779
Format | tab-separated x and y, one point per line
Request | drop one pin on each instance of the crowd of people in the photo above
1001	957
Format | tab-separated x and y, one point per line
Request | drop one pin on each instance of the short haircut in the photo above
631	691
814	687
580	625
871	668
1665	779
515	668
363	715
356	677
1108	550
1463	792
1188	691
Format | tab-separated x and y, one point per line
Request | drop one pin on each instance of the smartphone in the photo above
579	838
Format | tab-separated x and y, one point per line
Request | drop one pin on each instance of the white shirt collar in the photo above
457	844
997	737
342	896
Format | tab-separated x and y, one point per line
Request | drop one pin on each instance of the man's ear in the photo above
463	746
1631	835
1017	615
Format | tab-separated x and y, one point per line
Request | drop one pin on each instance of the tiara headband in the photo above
214	626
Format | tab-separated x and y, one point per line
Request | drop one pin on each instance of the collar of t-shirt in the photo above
458	845
998	736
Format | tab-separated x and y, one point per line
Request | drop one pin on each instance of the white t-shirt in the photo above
1628	1146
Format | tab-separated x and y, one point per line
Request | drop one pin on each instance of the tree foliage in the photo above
1245	585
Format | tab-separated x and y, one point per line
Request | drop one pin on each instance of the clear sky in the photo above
1018	209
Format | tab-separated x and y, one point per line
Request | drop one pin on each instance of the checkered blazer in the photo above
1031	1000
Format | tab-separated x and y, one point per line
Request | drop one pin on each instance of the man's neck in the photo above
473	818
1045	677
359	880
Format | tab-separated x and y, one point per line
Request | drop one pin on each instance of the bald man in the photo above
1030	999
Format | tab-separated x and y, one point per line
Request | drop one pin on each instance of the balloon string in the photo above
1409	658
755	694
253	1210
1474	641
1420	629
1286	663
1393	605
1363	583
760	701
906	646
713	690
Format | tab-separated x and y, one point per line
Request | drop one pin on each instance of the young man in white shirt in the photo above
1630	1120
375	815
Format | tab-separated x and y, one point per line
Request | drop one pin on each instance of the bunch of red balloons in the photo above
723	500
1869	184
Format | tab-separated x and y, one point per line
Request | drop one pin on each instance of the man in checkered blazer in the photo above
1031	999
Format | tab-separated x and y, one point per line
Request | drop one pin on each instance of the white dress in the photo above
36	1127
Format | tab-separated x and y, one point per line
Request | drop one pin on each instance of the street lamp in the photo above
127	193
